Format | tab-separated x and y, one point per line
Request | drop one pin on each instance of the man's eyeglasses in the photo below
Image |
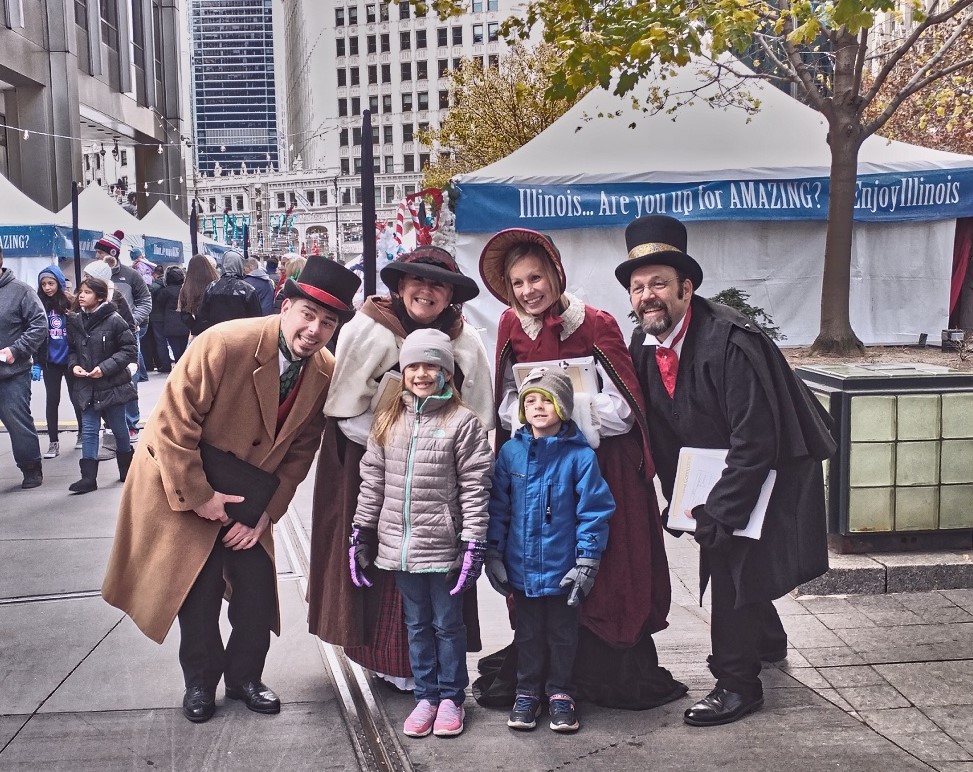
636	290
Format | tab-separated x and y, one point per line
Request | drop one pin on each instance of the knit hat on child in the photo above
99	269
430	346
554	384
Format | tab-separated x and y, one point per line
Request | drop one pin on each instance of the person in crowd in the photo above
254	388
133	288
428	290
23	328
713	379
51	359
257	278
271	271
229	297
291	270
617	664
549	513
146	360
155	340
422	514
282	274
131	204
174	326
142	264
101	348
200	274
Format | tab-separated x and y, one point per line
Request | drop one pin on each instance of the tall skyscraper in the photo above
234	99
346	56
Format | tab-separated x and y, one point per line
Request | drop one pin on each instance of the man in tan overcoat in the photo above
256	388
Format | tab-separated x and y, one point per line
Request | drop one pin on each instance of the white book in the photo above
581	371
697	472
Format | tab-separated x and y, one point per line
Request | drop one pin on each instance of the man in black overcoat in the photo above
717	381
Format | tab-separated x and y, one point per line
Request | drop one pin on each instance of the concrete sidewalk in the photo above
872	682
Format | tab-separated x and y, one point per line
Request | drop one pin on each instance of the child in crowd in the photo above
51	358
549	512
101	348
422	512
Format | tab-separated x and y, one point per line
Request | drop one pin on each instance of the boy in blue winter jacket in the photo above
549	512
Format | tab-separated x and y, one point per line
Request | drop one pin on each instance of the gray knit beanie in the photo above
553	383
429	346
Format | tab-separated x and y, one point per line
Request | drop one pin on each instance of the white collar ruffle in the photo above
572	318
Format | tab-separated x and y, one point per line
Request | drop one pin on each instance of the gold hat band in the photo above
651	248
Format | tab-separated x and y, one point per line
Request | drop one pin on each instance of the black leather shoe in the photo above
199	704
721	707
256	696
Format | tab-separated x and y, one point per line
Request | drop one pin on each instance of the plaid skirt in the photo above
387	650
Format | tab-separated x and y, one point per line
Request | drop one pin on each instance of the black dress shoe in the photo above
721	707
199	704
256	696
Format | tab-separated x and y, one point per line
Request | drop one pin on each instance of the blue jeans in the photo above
91	423
15	416
437	636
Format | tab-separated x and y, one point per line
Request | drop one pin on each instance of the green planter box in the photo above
903	474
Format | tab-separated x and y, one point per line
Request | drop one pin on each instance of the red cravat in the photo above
667	359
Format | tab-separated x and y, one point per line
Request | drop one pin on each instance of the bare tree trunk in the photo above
835	335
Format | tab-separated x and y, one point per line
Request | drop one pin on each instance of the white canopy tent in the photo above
25	232
162	223
752	191
97	211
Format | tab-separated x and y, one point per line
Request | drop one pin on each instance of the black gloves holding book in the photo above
710	534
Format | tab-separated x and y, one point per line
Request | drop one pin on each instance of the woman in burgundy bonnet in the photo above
616	663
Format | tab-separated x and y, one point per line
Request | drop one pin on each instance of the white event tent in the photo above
100	213
28	236
753	193
169	241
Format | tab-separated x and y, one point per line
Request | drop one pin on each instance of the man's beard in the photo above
660	323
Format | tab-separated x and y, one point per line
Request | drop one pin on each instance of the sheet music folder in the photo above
697	472
227	473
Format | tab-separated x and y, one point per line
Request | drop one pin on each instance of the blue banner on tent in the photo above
27	240
64	244
926	195
45	241
163	250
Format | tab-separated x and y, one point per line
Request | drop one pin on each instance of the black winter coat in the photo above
173	320
102	339
229	297
735	390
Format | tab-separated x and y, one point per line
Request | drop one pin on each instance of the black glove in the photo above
710	534
665	525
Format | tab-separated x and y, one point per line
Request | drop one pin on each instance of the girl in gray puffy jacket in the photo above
422	513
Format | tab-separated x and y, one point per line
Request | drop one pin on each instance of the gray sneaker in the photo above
108	442
53	450
79	444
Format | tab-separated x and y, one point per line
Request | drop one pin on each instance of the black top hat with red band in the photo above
326	283
434	263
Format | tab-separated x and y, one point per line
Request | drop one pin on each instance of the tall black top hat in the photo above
657	240
326	283
428	262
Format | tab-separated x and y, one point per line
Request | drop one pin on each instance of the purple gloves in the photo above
468	566
361	553
580	579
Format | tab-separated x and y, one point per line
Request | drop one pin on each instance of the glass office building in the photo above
234	100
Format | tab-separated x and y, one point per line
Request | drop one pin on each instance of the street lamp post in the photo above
337	241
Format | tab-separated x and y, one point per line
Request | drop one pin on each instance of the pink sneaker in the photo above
420	720
449	719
